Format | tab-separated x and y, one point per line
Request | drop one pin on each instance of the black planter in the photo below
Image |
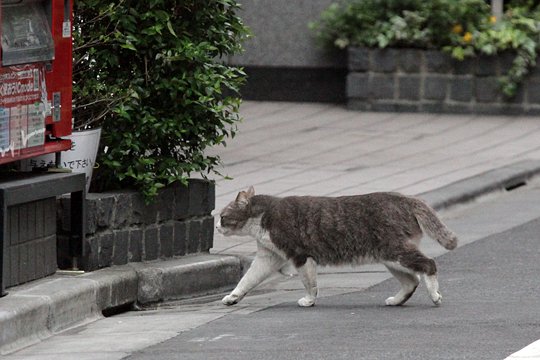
122	228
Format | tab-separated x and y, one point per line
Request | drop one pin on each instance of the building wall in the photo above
281	35
282	60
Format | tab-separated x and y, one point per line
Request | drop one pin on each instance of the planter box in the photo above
121	228
30	249
28	235
431	81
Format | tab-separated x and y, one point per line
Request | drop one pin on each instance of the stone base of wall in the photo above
295	84
122	228
417	80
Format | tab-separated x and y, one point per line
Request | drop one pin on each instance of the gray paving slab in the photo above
329	150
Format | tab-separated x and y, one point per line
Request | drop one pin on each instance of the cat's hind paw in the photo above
230	300
306	301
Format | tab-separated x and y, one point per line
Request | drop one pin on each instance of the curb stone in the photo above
467	190
39	309
183	278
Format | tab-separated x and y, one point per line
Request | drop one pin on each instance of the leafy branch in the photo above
149	73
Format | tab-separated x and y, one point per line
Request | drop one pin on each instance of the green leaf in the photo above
149	73
171	30
128	46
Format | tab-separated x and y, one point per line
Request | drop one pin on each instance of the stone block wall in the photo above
431	81
122	228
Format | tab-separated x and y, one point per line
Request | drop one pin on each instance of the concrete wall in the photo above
281	35
282	60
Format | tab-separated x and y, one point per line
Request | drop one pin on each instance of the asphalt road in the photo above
491	308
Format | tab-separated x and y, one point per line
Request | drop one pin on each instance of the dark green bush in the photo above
463	28
150	74
398	23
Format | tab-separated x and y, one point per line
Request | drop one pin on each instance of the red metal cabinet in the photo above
35	77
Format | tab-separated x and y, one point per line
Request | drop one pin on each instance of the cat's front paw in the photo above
230	300
437	298
306	301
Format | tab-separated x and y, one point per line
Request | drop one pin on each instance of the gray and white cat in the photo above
374	228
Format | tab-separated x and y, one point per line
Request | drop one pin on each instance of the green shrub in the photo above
408	23
150	74
463	28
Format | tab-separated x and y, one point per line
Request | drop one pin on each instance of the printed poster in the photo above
4	128
36	125
22	108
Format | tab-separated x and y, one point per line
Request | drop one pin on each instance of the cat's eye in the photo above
225	220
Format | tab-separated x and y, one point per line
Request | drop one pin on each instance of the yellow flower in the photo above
493	19
457	29
467	37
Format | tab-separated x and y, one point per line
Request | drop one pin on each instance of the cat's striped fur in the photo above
379	227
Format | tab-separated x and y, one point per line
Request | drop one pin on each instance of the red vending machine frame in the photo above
35	77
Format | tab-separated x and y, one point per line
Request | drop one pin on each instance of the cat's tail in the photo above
433	226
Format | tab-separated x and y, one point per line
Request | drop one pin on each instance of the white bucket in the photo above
81	158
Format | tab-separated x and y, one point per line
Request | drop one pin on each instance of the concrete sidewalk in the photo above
292	148
319	149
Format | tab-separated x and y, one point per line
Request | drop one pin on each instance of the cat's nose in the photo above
220	229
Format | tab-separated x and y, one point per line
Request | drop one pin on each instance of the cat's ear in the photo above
242	198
